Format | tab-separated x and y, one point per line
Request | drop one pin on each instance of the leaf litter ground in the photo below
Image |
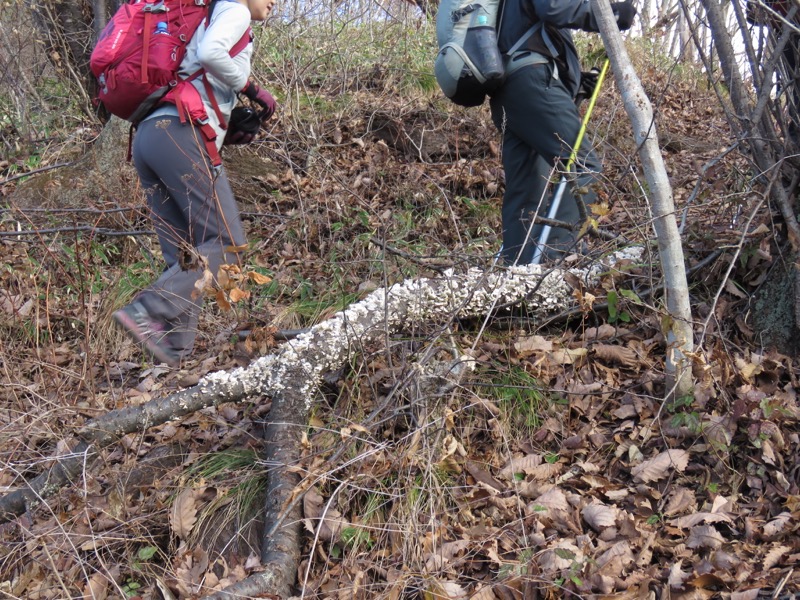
553	470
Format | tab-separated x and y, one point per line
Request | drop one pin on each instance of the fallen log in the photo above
280	546
298	365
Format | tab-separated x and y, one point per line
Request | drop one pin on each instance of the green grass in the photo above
518	394
240	479
213	465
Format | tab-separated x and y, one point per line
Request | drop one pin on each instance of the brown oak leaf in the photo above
659	466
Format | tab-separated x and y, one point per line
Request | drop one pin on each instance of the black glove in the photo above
588	83
624	12
243	126
261	97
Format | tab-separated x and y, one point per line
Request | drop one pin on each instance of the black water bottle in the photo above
480	45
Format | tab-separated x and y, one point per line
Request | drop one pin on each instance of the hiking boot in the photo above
147	331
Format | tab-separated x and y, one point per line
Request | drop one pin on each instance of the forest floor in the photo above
554	470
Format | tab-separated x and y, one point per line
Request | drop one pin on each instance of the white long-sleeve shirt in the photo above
209	49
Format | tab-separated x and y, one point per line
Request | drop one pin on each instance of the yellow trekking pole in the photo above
562	185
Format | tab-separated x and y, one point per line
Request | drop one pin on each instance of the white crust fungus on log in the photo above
327	345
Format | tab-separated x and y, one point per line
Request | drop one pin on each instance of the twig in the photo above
430	262
782	584
604	234
78	229
95	211
696	191
279	334
34	171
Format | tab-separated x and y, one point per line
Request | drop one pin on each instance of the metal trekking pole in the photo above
556	202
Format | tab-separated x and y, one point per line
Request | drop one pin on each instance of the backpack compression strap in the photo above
148	17
524	38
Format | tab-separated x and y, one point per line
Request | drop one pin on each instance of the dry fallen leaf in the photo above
444	590
731	288
599	515
689	521
237	295
680	500
330	523
528	345
441	556
746	595
552	499
524	464
568	356
721	559
659	466
704	536
709	581
563	556
614	560
258	278
485	593
777	525
621	355
604	332
677	577
203	285
222	301
483	476
191	571
774	556
96	588
183	515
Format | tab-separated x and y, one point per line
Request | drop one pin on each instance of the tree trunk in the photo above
66	28
757	128
640	112
103	175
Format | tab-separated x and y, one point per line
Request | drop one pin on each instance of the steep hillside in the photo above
553	470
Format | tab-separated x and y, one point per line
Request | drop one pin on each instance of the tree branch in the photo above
640	112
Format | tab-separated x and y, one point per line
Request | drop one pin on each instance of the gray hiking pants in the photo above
539	122
195	215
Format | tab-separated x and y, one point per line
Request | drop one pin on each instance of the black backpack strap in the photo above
211	6
546	38
527	35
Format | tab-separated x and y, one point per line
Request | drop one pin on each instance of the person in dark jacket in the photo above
536	113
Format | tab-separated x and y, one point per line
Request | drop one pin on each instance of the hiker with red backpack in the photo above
176	154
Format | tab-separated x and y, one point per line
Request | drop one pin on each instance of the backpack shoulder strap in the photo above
526	36
246	38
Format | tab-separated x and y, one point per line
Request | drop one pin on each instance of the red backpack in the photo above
138	55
